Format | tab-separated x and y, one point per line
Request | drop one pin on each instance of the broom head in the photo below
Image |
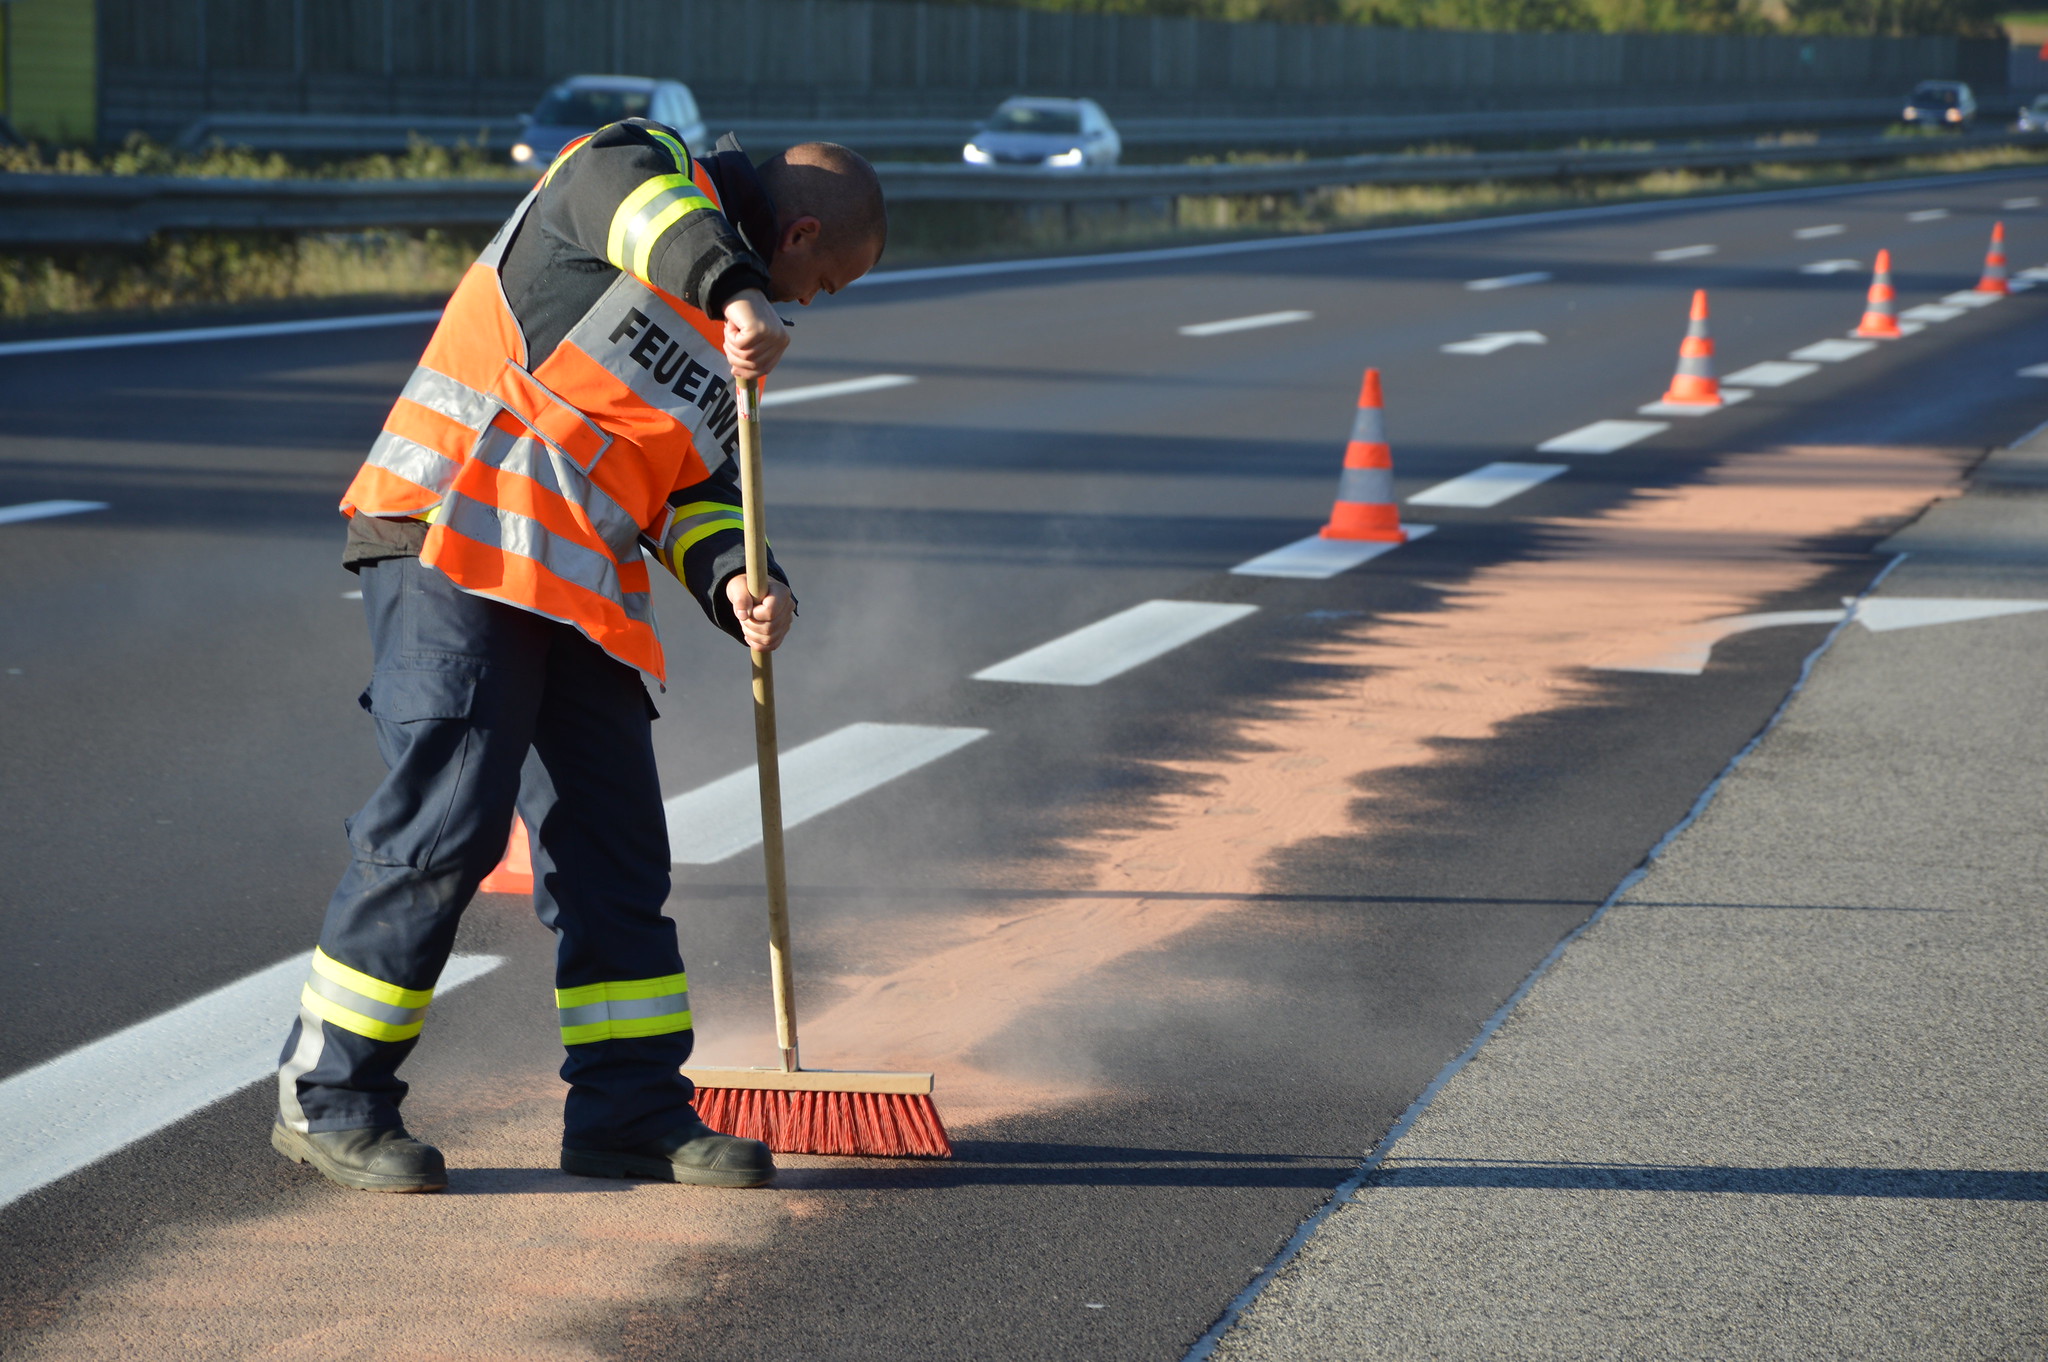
824	1111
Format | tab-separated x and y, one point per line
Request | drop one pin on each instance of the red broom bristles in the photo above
888	1125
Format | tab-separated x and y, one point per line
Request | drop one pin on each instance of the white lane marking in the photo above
1683	252
1317	558
1488	486
307	326
1110	647
82	1106
1486	342
1932	312
2033	371
1927	215
1686	652
1508	281
2019	285
1910	328
1772	373
351	595
1816	233
1834	351
1225	327
1729	397
2034	272
844	388
43	510
2028	201
1882	614
1969	297
1602	437
1831	267
722	819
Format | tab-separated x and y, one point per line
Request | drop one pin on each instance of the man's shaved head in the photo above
837	186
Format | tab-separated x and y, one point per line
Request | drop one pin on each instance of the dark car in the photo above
583	104
1940	104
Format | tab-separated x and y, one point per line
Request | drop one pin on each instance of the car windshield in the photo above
591	108
1031	118
2041	104
1942	95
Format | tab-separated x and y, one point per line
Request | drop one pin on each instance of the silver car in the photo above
2033	117
1057	134
583	104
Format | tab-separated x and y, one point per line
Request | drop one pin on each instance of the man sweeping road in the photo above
569	411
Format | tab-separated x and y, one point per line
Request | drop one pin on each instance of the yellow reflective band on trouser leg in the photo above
624	1009
363	1003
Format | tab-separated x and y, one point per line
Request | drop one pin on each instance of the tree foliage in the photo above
1968	18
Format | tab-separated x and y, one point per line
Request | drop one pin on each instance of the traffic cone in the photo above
514	874
1694	383
1880	313
1365	506
1994	264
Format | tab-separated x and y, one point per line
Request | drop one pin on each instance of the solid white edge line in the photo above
183	335
1348	1189
1253	323
845	387
1108	648
1592	212
68	1113
44	510
1488	486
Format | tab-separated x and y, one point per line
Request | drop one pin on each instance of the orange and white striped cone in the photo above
1994	264
1881	312
1694	383
1365	506
514	874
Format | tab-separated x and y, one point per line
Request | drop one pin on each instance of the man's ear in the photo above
801	233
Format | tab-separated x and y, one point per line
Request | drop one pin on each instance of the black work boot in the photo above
378	1159
692	1153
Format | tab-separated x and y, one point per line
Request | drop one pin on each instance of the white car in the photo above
583	104
1057	134
2034	117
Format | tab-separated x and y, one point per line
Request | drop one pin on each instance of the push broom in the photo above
795	1110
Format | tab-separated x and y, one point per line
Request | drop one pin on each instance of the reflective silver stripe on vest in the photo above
494	253
665	361
1369	426
369	1007
510	532
627	1009
533	458
413	461
1366	484
450	397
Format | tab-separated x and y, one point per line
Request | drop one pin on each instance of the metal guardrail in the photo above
87	210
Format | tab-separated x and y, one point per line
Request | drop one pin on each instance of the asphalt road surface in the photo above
1180	944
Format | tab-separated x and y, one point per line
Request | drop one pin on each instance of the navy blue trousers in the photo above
479	708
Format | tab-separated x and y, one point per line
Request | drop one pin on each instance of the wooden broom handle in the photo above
765	759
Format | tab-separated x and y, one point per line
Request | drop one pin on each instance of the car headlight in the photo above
521	152
1954	115
975	156
1065	158
1910	114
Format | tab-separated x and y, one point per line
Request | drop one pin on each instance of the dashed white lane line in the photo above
1772	373
1969	297
76	1109
874	383
1816	233
351	595
722	819
1231	324
2028	201
1488	486
1831	267
1508	281
1317	558
2038	273
1487	342
1729	397
43	510
1927	215
1683	252
1834	351
1110	647
246	331
1932	312
1601	437
2034	371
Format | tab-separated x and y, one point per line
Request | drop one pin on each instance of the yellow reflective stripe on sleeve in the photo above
674	145
348	1019
565	154
629	208
647	236
646	213
702	531
369	985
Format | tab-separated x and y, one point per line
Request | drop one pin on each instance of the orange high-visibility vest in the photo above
542	481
